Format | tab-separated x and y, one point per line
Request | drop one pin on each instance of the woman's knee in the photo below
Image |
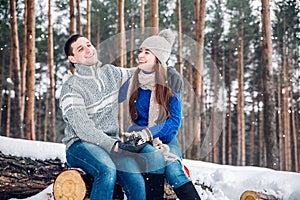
153	159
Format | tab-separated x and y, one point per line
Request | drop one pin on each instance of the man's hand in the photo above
175	80
131	145
145	135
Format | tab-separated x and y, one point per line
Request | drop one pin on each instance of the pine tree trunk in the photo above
198	83
8	115
52	107
72	17
223	97
1	89
79	25
252	129
15	63
88	19
121	54
179	56
154	16
241	115
24	68
268	90
229	120
30	116
215	122
142	18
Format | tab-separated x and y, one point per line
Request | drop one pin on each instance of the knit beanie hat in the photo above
160	45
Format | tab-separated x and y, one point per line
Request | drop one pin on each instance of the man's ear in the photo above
72	59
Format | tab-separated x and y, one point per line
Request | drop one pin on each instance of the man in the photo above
89	103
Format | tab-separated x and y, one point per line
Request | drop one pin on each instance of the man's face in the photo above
84	52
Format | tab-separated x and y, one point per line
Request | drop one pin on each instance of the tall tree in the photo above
24	67
88	19
154	16
51	75
72	18
229	118
199	31
8	116
268	89
121	51
79	25
15	63
142	17
179	25
30	111
240	107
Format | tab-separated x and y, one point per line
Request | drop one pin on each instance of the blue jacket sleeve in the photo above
168	129
123	92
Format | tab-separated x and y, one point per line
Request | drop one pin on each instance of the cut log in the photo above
76	184
252	195
70	184
22	177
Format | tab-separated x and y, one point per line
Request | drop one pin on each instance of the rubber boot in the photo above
154	186
187	192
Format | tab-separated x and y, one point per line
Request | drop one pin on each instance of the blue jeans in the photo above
175	174
106	170
151	160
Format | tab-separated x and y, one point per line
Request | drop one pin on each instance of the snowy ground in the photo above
226	182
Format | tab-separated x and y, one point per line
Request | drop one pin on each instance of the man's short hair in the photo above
68	48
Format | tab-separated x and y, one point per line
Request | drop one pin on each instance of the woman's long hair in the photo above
163	93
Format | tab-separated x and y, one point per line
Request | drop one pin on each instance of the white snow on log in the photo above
33	149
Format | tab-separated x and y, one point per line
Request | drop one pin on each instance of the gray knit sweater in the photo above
89	103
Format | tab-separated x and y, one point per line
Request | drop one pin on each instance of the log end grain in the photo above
68	185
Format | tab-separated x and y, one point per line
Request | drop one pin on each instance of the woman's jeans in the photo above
175	174
109	168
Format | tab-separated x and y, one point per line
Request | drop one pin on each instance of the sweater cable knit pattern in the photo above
89	103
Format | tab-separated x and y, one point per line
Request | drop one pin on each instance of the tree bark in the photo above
24	68
15	63
88	19
79	26
22	177
142	18
154	16
52	128
268	90
72	17
179	24
249	195
241	115
30	116
199	31
229	120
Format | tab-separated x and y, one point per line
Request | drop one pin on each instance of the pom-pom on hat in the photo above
160	45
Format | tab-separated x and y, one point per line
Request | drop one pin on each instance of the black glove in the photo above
175	80
131	145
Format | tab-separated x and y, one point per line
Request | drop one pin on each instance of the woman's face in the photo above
147	60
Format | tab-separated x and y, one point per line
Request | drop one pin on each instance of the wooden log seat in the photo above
75	184
253	195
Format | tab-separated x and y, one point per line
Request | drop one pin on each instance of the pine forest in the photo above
239	59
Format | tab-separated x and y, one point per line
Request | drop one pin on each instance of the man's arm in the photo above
175	80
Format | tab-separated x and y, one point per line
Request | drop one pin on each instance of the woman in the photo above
156	110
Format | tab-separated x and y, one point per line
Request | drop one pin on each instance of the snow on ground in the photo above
227	182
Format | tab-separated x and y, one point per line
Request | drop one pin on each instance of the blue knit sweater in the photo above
166	130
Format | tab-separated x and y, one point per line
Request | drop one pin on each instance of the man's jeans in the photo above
106	170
